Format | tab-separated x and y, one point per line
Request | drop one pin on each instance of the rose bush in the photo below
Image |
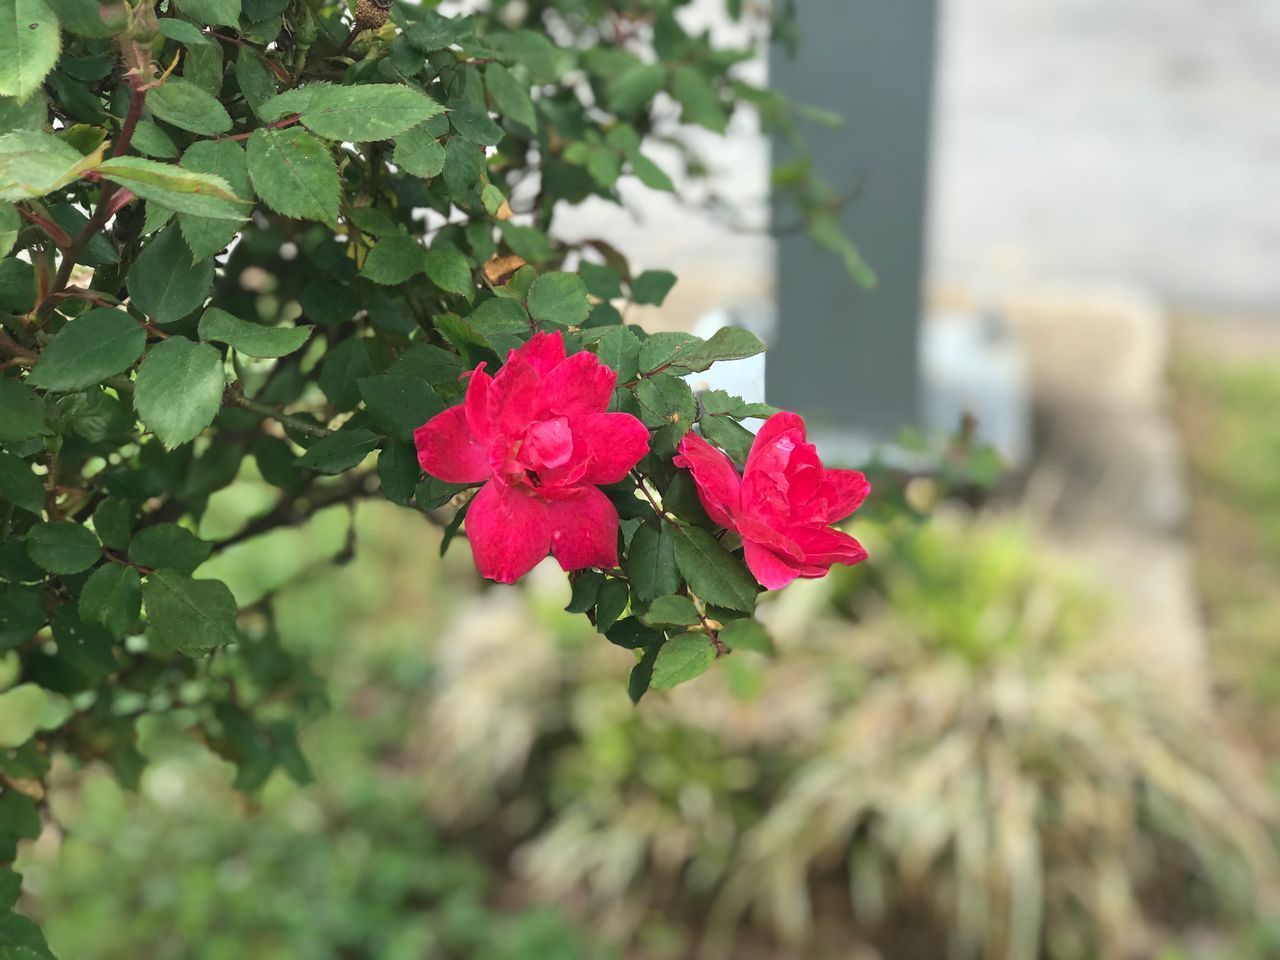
253	242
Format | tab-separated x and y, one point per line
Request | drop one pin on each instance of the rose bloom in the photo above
782	505
538	437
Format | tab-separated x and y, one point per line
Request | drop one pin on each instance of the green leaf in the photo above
164	283
729	436
169	546
652	286
434	31
224	159
17	286
642	673
559	298
340	451
63	547
398	472
649	173
631	634
10	224
294	174
499	317
634	87
394	260
450	271
419	153
251	339
257	82
21	939
727	343
712	572
660	350
184	191
180	31
29	114
664	400
224	13
585	587
19	485
619	349
341	371
399	405
113	522
151	141
510	96
531	49
179	389
21	412
84	645
671	610
611	603
651	562
90	348
747	635
33	163
464	164
112	597
24	709
372	111
701	103
192	616
475	124
29	45
22	613
185	105
682	658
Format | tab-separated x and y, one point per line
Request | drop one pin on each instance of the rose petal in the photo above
775	428
448	451
824	546
548	444
847	490
584	530
477	404
773	571
615	442
509	531
579	386
543	351
513	396
719	486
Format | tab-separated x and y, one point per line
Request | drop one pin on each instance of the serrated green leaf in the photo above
10	224
112	597
611	603
712	572
185	105
393	260
169	546
341	371
699	100
450	271
90	348
634	87
21	411
398	472
727	343
642	673
150	141
257	82
652	287
34	163
371	111
619	349
340	451
164	283
179	389
221	12
510	96
22	613
113	522
29	45
251	339
651	562
729	436
661	350
682	658
559	298
294	174
63	547
19	485
192	616
180	31
670	610
585	587
86	646
224	159
181	191
666	400
475	124
399	405
419	153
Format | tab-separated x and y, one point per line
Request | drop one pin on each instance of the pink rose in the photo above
538	436
782	505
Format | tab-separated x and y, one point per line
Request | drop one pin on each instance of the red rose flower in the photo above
782	505
539	435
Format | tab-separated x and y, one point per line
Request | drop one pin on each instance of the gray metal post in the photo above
844	356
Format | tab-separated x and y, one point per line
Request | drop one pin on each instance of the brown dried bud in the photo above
372	14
